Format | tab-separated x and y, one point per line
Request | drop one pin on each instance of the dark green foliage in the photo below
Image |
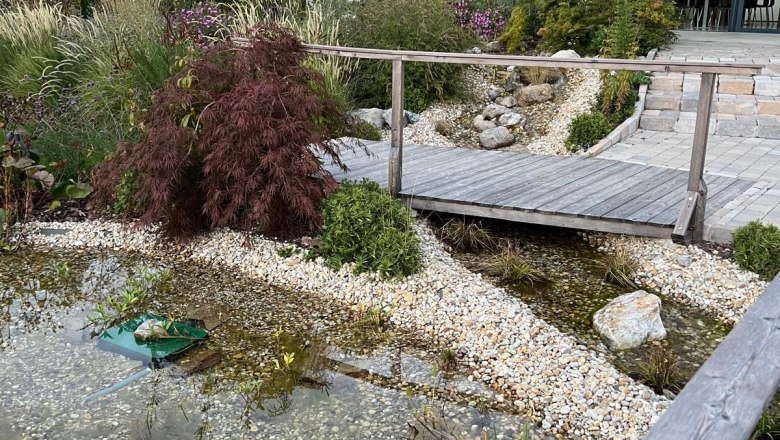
660	370
469	236
516	29
768	427
363	224
366	131
511	267
410	25
757	248
587	130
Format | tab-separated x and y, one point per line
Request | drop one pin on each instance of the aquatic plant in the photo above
129	301
757	248
251	140
375	318
511	267
660	370
469	236
448	360
619	268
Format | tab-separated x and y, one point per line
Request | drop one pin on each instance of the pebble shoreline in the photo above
574	392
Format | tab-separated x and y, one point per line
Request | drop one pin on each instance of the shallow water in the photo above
347	380
577	289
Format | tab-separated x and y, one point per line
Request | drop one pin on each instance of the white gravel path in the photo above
575	392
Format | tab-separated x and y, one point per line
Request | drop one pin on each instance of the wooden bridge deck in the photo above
577	192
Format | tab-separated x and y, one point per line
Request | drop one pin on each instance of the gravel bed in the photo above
692	275
574	392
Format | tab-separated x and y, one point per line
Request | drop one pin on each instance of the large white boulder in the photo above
630	320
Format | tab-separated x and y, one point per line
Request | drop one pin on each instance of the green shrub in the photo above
364	225
364	130
757	248
587	130
410	25
515	29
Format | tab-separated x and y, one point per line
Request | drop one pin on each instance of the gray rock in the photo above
630	320
409	117
534	94
480	124
373	116
511	119
494	92
565	54
412	117
507	101
496	138
512	85
684	260
474	50
494	46
493	111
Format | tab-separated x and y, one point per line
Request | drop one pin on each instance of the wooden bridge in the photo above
575	191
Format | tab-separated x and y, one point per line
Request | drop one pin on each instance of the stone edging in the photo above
627	127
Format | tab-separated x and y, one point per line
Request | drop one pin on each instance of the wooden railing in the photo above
727	396
690	224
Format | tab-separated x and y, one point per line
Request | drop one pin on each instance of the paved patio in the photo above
753	156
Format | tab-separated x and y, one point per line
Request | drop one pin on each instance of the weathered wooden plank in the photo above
671	201
649	197
529	61
564	221
395	165
730	193
535	193
648	185
411	153
600	193
446	170
495	179
520	181
718	195
726	397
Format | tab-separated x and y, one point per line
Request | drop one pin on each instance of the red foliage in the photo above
249	155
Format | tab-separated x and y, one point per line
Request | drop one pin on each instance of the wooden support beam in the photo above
726	397
690	224
395	163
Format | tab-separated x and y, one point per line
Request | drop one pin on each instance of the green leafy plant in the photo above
515	29
286	251
586	130
448	360
511	267
410	25
364	225
757	248
469	236
660	370
128	301
366	131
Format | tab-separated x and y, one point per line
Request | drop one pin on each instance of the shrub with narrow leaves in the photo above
364	225
236	139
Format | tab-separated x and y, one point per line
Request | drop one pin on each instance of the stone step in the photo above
722	103
764	85
761	126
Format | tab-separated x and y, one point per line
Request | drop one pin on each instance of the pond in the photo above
277	363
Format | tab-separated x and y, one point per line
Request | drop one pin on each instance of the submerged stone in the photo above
630	320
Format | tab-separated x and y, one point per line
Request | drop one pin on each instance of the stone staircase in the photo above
742	106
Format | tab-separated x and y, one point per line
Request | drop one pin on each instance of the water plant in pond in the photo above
661	371
619	268
448	360
117	307
467	236
375	318
511	267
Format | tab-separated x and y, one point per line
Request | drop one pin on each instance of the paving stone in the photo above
736	107
662	101
667	83
768	108
736	128
767	86
737	86
689	102
768	131
657	123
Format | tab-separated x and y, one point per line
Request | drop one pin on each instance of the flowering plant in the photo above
488	23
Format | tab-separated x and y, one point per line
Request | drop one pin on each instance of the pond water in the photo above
346	377
577	289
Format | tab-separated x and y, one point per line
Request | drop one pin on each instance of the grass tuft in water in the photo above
468	236
448	360
768	427
660	370
619	268
511	267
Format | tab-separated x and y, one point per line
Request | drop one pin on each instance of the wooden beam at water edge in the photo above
395	162
728	394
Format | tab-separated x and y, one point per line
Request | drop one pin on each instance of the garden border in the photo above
627	127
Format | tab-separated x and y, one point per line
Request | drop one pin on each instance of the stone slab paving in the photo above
752	158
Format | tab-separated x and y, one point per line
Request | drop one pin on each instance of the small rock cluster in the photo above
380	119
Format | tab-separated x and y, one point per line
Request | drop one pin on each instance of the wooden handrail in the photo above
726	397
690	223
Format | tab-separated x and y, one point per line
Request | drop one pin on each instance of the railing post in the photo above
690	223
395	164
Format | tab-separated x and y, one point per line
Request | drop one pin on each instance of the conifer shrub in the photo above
236	139
364	225
586	130
757	248
410	25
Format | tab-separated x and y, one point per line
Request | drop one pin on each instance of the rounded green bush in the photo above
757	248
587	130
363	224
408	25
